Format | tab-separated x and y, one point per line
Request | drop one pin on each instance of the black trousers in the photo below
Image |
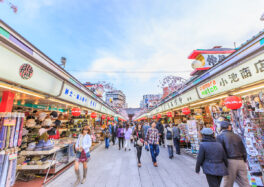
121	141
139	152
176	142
113	139
161	139
214	181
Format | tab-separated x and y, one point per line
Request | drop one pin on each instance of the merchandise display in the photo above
11	125
193	135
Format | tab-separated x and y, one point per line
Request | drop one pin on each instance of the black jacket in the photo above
160	128
233	145
211	157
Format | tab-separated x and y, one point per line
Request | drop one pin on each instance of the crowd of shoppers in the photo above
222	157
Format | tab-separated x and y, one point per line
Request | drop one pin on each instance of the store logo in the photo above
26	71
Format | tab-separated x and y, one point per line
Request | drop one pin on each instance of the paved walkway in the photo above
114	168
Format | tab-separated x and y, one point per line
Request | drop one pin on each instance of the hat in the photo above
224	124
54	114
42	116
47	122
207	131
30	123
57	123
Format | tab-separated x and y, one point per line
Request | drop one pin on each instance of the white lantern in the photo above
197	64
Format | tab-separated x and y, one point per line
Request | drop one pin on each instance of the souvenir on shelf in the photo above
193	134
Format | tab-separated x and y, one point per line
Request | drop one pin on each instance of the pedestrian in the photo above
146	127
120	136
82	148
177	138
114	131
212	158
236	156
152	139
169	139
139	138
107	136
128	133
160	128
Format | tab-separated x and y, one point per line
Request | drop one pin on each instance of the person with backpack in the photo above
169	139
176	138
120	136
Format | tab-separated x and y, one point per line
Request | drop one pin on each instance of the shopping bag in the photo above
83	157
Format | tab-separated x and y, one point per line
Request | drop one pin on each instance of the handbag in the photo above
140	141
83	157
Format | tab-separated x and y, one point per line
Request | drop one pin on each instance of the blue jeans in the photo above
106	142
176	142
147	147
154	151
170	150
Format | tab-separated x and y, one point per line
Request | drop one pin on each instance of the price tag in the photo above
13	156
9	122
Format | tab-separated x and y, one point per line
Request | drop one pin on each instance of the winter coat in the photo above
168	142
232	144
120	133
176	132
211	157
128	133
114	130
160	128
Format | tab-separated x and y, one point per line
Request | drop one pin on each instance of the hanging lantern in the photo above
108	118
169	114
76	111
112	118
233	102
186	111
103	116
93	115
158	116
153	117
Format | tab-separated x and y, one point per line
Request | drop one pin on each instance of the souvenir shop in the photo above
233	90
42	110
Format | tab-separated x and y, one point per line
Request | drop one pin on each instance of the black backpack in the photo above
169	135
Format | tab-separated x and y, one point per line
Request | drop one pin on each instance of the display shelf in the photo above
28	153
34	167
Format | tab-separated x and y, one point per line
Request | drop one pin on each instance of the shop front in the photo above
43	109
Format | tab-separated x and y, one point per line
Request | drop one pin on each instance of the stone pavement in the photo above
114	168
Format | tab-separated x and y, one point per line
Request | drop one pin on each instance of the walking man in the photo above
176	138
114	133
152	139
236	155
160	128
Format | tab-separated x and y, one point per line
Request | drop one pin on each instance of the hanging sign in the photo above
249	72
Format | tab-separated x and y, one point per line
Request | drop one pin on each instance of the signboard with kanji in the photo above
244	74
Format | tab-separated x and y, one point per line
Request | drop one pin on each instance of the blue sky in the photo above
132	35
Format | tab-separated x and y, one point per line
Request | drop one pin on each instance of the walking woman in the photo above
212	158
139	137
82	148
120	136
128	132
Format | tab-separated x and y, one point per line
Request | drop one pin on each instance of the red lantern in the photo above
233	102
186	111
93	115
76	111
103	116
112	118
169	114
108	118
158	116
153	117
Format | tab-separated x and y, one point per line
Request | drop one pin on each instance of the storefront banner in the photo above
18	70
212	59
73	95
244	74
